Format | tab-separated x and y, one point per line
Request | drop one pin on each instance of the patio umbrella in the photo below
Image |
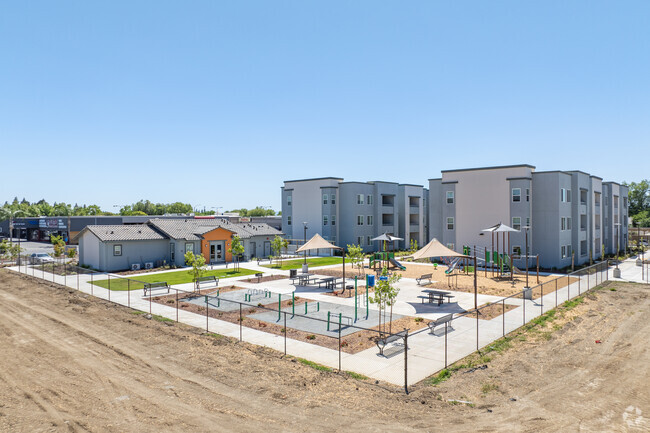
501	228
385	237
316	243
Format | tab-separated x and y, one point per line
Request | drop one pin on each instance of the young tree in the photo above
72	252
59	246
277	245
414	245
385	295
355	256
197	262
236	249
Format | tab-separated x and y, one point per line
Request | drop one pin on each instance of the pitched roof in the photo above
193	229
138	232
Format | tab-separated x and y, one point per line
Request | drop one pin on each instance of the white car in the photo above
41	258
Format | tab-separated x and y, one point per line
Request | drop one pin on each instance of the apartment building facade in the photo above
353	212
569	215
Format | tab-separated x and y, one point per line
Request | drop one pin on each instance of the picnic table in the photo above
435	296
329	282
304	279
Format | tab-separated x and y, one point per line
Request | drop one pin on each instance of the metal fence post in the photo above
207	310
523	304
568	285
149	300
477	329
503	315
579	278
339	346
109	287
556	292
285	334
52	271
65	274
92	285
445	344
128	294
176	305
541	299
406	359
77	277
240	323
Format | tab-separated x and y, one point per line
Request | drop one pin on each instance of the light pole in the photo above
305	240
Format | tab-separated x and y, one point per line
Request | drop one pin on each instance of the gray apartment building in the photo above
566	213
354	212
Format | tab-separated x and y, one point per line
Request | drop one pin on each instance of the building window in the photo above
360	198
333	198
615	202
516	250
333	220
189	247
172	251
450	197
516	194
528	222
516	223
324	220
359	220
450	223
562	195
334	240
369	199
568	196
289	220
117	250
289	200
563	252
324	198
562	223
597	198
369	220
368	240
527	194
568	223
360	241
568	250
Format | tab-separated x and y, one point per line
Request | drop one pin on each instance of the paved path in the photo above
426	354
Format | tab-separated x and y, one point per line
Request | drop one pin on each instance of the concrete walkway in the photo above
426	354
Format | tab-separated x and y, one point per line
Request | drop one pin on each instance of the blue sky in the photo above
217	103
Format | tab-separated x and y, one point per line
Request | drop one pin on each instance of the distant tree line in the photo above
23	208
639	202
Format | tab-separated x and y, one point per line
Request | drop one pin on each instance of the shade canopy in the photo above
500	228
435	249
316	243
386	237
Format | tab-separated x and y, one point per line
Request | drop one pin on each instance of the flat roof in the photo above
496	167
313	178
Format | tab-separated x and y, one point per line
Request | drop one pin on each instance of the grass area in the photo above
176	277
153	316
534	327
313	364
357	376
297	263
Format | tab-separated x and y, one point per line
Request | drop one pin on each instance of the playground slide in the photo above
397	264
453	265
517	270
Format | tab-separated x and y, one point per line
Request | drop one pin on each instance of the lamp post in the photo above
305	240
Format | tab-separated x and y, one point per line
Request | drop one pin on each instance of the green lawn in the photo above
176	277
297	264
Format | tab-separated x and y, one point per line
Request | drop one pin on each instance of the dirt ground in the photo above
71	362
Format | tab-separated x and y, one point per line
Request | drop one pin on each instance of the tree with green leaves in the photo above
384	296
355	256
9	250
277	245
236	249
414	245
59	245
197	262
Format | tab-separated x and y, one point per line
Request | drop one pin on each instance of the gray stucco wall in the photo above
139	252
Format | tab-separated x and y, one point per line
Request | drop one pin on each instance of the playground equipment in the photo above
309	308
503	263
341	317
256	292
397	264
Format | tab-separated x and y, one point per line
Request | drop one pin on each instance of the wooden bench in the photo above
150	287
424	277
440	321
382	342
211	282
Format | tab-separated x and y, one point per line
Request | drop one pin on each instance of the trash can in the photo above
371	280
293	273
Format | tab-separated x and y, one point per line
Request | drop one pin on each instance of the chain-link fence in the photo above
395	348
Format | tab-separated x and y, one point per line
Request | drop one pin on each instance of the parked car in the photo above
37	258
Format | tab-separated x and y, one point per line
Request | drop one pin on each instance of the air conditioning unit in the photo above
148	265
135	267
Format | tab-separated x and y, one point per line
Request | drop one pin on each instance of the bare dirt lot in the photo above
74	363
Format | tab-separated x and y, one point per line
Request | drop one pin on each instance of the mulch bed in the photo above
352	343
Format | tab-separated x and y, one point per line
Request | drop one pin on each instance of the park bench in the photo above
201	282
424	277
259	276
440	321
382	342
150	287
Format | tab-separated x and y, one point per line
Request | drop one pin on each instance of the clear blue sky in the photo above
218	102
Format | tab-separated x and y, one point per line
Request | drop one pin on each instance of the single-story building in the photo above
165	241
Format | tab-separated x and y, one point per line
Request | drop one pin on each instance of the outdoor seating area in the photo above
435	296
